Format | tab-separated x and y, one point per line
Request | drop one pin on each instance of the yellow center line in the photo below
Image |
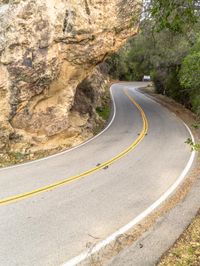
32	193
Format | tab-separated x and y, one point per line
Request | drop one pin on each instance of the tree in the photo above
168	48
174	15
190	76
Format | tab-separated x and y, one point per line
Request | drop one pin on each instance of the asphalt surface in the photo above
150	247
54	226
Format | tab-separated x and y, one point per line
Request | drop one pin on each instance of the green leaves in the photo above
194	147
190	76
190	71
174	15
103	112
168	48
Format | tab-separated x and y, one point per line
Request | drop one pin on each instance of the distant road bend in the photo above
53	208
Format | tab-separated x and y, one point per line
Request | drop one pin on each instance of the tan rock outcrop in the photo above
47	47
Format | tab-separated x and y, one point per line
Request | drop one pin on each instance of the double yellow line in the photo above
29	194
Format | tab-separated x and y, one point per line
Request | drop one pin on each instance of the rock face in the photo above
92	94
47	47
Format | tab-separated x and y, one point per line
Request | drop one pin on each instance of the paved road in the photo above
55	225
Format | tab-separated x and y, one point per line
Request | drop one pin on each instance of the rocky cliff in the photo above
46	49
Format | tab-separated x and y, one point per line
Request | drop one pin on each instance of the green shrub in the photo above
103	112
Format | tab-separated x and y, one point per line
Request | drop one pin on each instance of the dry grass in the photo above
186	251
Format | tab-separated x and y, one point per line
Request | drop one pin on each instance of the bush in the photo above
190	77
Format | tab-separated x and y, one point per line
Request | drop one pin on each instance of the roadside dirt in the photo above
186	250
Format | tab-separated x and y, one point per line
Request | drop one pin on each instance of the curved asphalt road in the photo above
52	227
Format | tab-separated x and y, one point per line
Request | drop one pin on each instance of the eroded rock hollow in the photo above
47	47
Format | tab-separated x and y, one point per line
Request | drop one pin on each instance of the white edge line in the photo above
85	255
76	147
